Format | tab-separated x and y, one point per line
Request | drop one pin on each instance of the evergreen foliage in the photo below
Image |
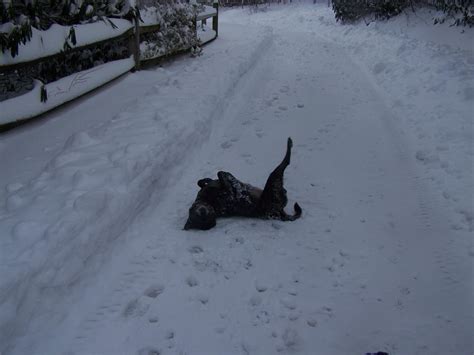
461	11
352	10
177	29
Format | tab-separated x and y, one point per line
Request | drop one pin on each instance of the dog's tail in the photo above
298	212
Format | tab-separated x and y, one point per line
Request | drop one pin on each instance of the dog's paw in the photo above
298	209
204	182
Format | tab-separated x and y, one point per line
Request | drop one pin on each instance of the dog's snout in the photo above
202	211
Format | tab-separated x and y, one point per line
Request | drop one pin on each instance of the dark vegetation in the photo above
459	12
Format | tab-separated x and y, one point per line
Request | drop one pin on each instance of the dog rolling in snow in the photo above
227	196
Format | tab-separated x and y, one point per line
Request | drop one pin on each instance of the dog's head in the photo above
201	216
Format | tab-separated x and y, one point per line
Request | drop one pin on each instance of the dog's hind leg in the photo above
273	198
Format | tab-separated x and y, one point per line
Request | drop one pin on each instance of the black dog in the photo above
227	196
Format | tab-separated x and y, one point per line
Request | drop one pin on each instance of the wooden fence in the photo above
54	94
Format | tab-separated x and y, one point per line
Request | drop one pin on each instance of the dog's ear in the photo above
204	182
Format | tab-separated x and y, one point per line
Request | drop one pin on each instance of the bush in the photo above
461	12
353	10
177	28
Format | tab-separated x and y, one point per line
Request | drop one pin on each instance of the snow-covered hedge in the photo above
460	11
177	28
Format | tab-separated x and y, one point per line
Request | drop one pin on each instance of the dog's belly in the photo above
241	200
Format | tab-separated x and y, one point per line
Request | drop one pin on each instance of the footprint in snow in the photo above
135	309
248	264
293	292
191	281
153	319
295	278
261	317
312	322
169	334
220	330
255	300
288	303
260	286
405	291
239	240
196	249
291	341
293	316
149	351
204	299
226	145
204	264
154	290
326	312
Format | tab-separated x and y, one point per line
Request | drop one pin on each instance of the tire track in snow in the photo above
439	269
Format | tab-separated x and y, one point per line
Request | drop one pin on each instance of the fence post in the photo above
215	19
136	51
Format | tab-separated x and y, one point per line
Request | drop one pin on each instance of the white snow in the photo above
93	255
207	11
51	41
61	91
206	34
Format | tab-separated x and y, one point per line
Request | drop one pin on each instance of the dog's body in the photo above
227	196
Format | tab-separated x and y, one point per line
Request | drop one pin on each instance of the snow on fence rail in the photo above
40	97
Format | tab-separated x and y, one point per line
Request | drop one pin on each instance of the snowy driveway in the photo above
377	262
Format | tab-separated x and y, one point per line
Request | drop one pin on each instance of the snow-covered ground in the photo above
93	256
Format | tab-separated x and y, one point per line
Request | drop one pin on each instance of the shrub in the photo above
353	10
177	28
461	12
